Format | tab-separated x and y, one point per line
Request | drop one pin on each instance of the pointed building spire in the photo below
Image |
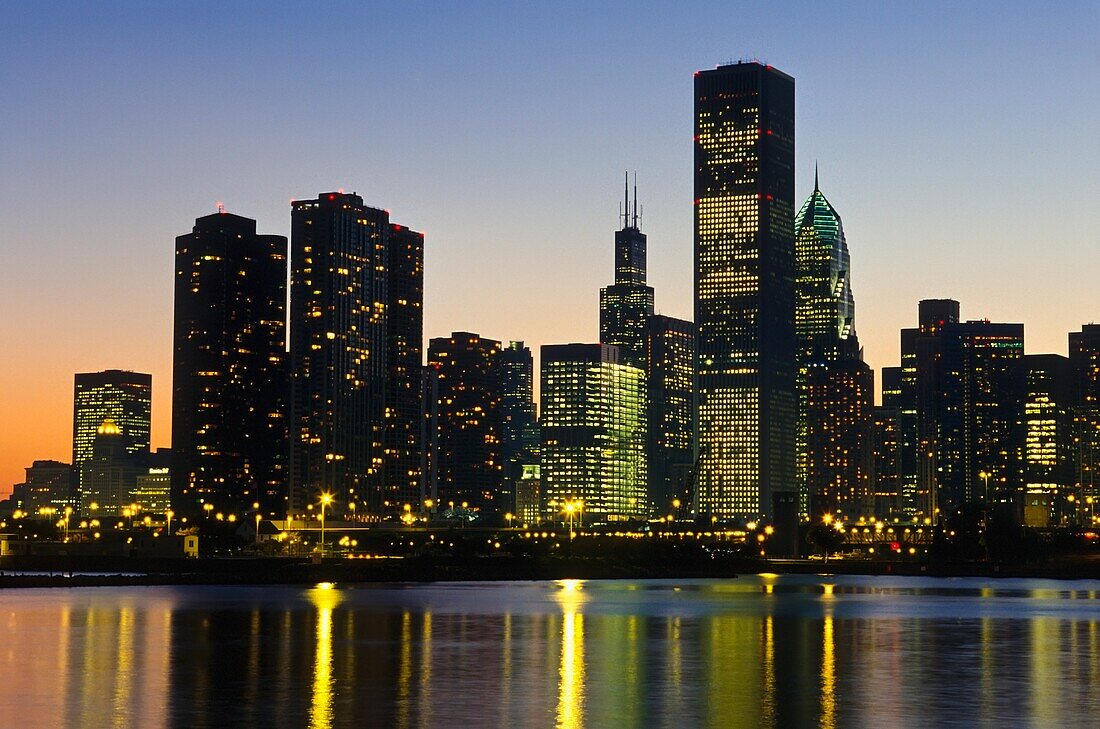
816	189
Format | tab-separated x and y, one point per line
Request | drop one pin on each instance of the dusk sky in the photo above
959	144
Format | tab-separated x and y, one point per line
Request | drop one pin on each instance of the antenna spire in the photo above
816	189
626	198
635	200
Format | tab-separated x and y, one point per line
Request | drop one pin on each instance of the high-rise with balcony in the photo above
744	288
338	294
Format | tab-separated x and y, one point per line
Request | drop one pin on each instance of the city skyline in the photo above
71	289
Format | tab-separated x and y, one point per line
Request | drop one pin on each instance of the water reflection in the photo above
325	598
764	651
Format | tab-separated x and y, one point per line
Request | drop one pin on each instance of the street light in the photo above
985	477
169	514
508	518
326	499
207	507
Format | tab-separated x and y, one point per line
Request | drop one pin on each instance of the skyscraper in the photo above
922	349
229	386
1049	447
626	304
839	401
593	431
338	295
402	448
109	475
744	287
977	413
1084	356
670	444
834	385
120	396
468	457
519	429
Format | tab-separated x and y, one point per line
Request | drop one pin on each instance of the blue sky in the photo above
959	142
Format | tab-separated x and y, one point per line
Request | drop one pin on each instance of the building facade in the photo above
744	288
670	443
48	485
1049	455
834	385
628	303
1084	356
356	313
121	396
519	426
402	448
593	434
229	377
468	456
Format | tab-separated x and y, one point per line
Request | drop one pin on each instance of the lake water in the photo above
761	650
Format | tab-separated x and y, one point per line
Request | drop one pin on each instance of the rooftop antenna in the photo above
626	198
816	189
635	200
221	207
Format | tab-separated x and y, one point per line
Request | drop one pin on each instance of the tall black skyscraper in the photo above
625	305
403	451
744	287
338	294
228	375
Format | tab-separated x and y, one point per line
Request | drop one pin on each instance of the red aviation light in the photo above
770	197
769	132
331	197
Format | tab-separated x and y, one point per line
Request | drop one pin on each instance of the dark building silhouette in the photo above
670	444
1084	356
889	445
121	396
971	410
922	348
48	484
519	428
468	458
840	437
356	324
744	287
626	304
229	380
905	397
402	448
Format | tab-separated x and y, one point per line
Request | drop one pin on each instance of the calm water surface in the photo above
756	651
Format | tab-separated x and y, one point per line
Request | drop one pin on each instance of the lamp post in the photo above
985	478
326	499
68	513
168	515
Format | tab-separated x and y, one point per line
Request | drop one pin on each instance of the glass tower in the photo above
593	432
835	395
744	288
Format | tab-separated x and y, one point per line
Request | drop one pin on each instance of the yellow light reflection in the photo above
828	676
325	599
570	714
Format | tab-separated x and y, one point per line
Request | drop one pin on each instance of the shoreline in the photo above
38	572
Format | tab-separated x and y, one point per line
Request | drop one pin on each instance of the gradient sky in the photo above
958	141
